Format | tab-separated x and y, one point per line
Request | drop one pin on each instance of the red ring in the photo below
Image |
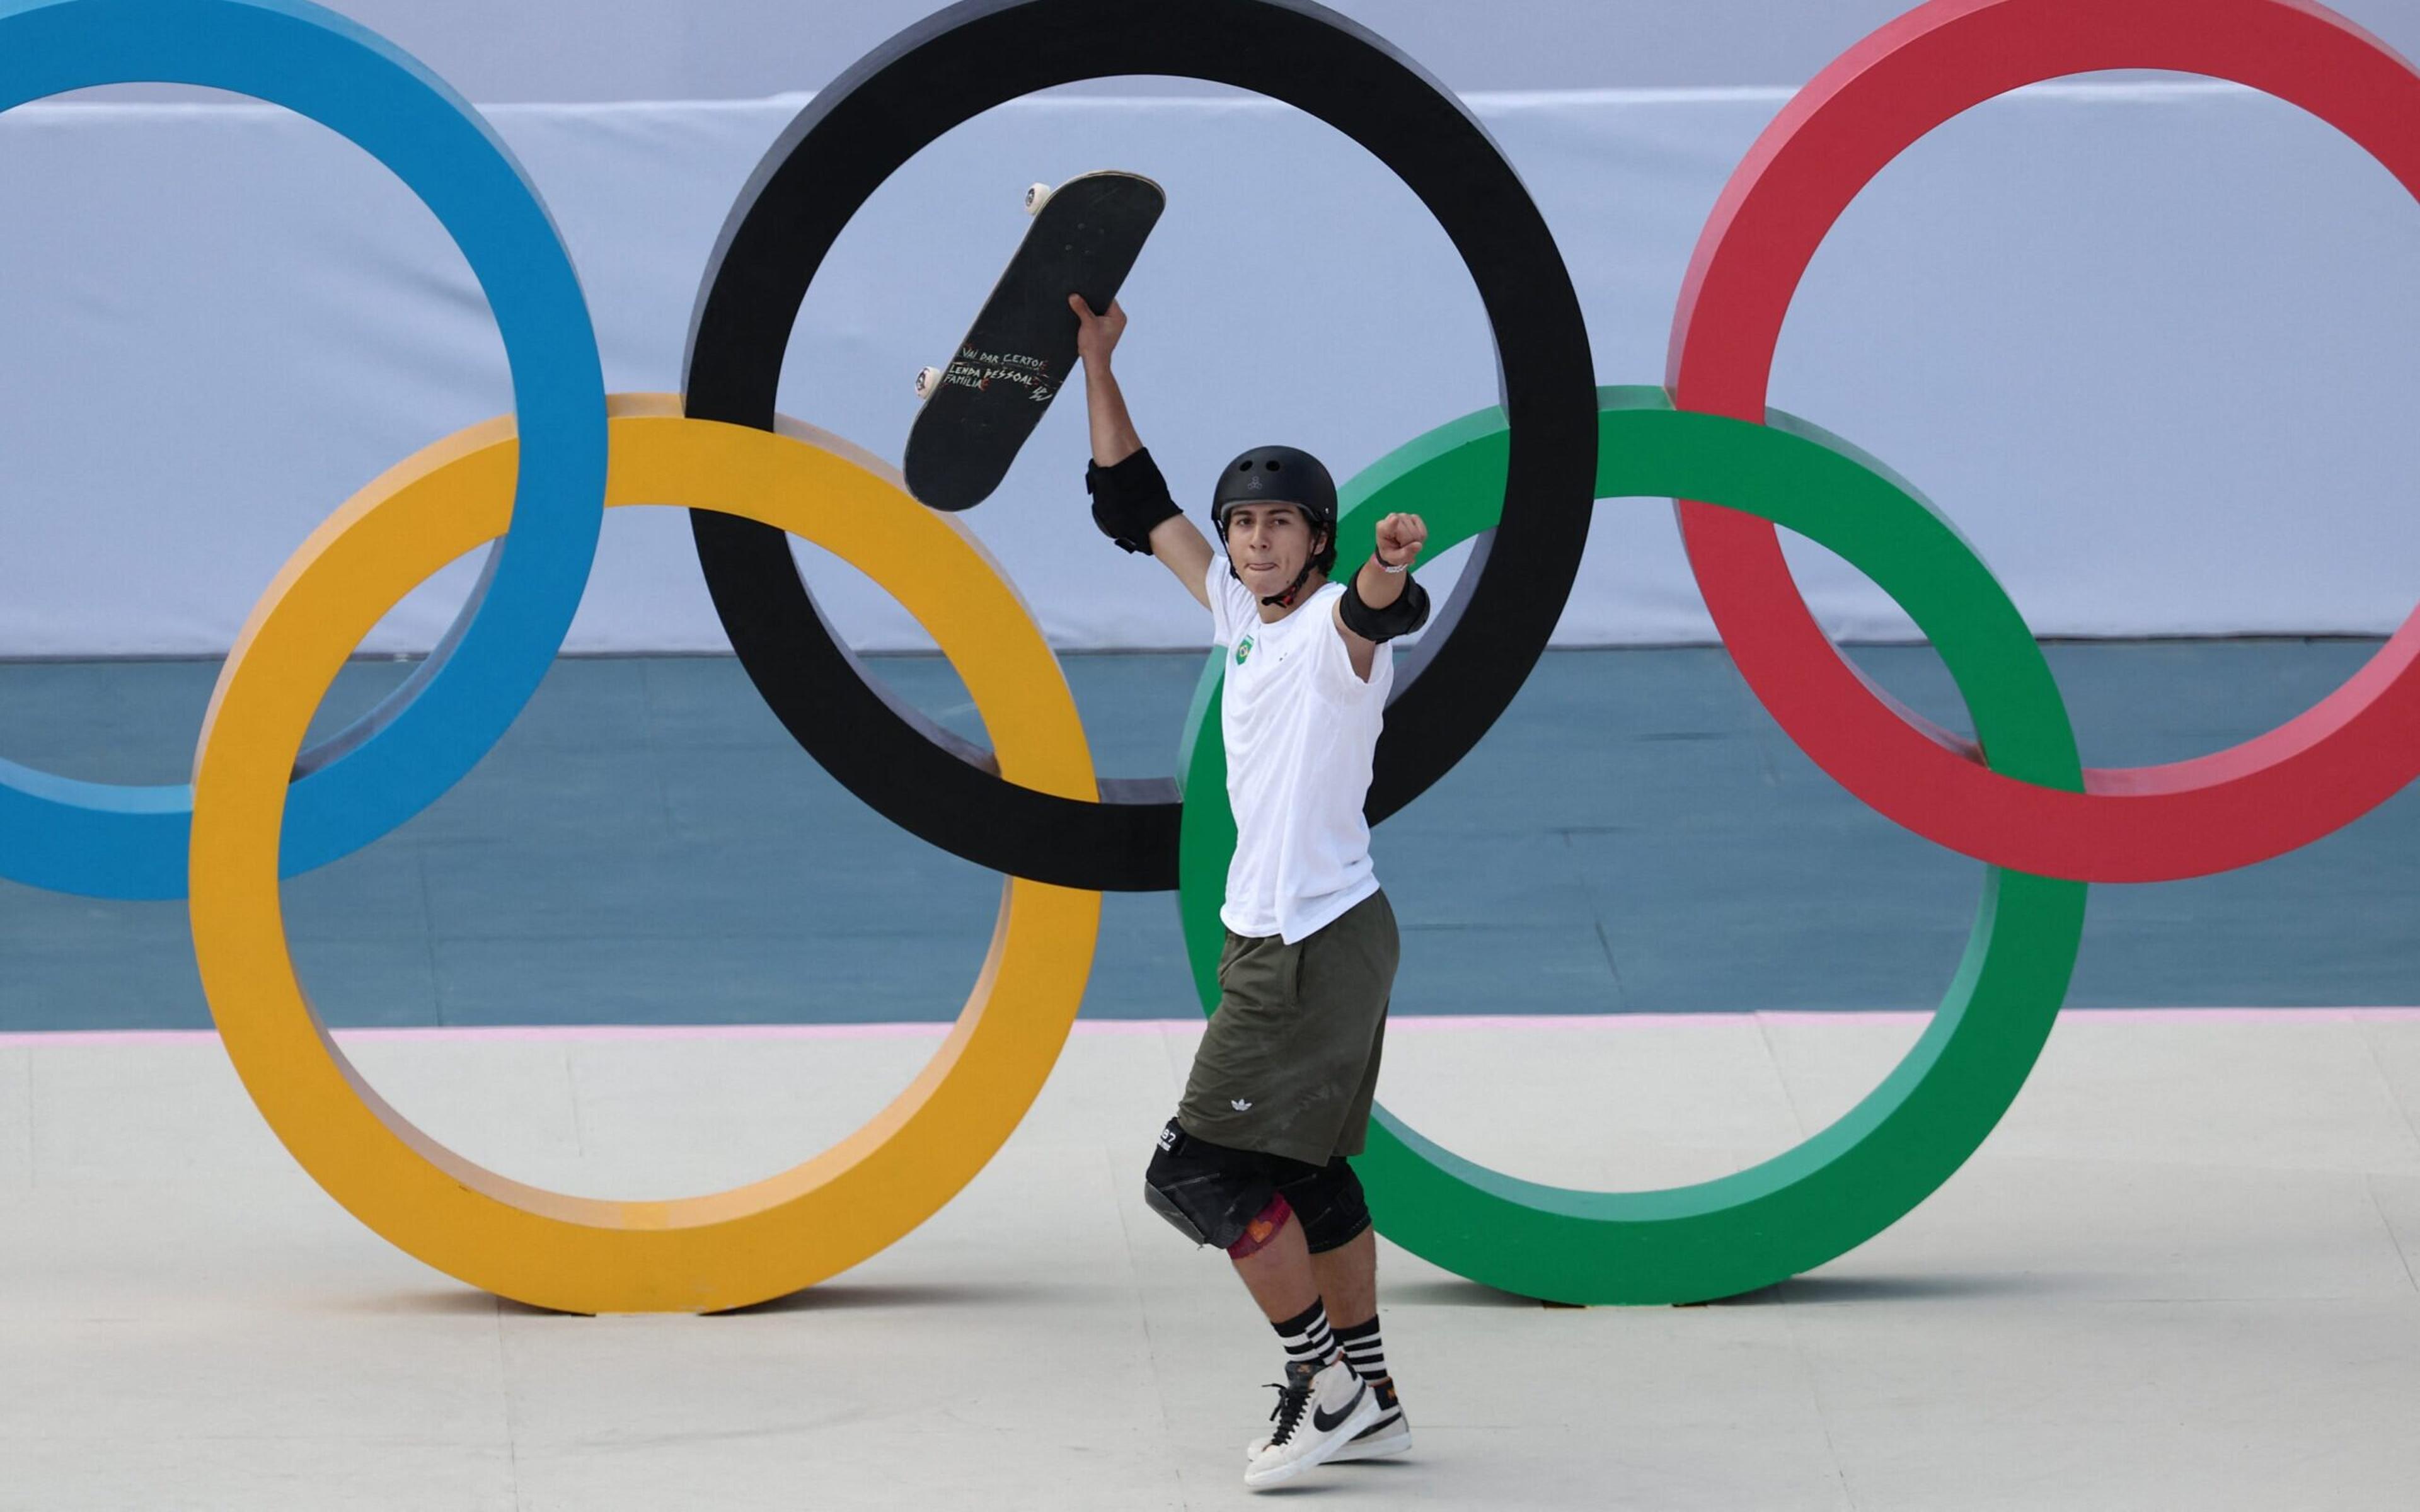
2334	763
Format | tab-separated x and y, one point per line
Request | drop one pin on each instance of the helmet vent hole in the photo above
1271	464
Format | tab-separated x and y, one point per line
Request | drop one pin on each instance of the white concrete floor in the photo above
2180	1275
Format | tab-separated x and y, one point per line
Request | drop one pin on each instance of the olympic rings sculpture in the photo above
1520	481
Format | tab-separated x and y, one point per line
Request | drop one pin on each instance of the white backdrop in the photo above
2151	345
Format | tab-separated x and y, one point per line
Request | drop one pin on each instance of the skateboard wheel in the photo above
927	379
1036	195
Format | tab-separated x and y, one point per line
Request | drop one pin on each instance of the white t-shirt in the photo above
1300	725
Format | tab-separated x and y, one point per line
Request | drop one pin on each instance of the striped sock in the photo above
1306	1337
1362	1350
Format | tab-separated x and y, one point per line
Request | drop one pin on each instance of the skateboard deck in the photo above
1021	348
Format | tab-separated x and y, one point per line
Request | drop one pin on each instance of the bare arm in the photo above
1096	337
1400	539
1176	541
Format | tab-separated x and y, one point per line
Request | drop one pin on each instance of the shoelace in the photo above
1288	1412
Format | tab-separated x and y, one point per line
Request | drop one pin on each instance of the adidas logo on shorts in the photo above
1239	1104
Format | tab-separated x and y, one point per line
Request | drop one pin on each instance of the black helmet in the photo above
1281	475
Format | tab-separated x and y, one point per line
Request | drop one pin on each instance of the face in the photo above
1269	543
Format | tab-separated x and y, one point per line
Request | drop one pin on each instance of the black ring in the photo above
954	65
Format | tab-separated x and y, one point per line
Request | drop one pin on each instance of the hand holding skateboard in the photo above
1097	335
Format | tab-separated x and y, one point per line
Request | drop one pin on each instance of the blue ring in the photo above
114	841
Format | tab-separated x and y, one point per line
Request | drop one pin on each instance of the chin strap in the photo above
1285	600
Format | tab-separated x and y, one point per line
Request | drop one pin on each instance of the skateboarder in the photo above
1255	1159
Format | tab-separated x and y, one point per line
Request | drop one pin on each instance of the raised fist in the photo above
1400	539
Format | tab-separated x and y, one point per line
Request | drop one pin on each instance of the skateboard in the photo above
978	411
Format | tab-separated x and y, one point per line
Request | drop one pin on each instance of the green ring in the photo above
1847	1183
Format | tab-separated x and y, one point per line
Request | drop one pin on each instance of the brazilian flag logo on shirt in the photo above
1243	649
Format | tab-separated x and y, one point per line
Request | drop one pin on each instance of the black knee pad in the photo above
1329	1203
1208	1193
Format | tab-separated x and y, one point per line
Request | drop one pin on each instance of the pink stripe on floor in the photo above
1110	1028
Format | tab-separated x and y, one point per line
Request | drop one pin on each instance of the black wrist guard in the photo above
1129	500
1409	613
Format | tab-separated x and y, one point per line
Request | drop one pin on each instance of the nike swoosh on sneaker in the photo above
1329	1422
1390	1429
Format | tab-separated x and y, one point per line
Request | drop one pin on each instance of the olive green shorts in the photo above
1289	1065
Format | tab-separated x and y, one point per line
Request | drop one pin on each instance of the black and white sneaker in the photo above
1318	1413
1390	1434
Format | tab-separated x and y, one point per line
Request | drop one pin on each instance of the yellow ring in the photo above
698	1254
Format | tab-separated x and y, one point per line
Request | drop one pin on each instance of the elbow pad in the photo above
1409	613
1129	500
